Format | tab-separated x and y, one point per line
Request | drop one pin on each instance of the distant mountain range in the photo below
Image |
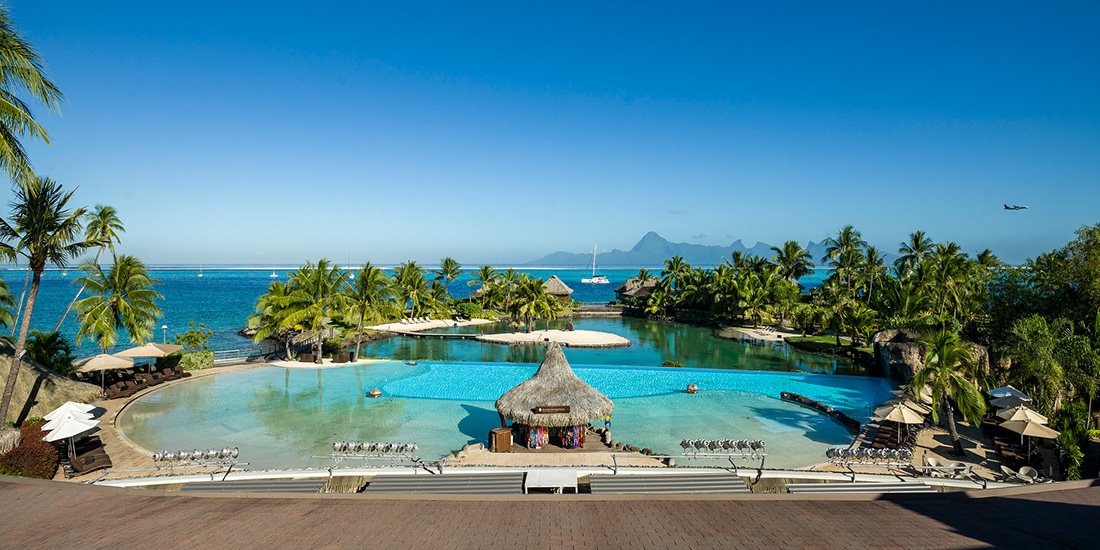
654	249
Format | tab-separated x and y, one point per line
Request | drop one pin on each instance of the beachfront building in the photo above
636	288
558	289
553	406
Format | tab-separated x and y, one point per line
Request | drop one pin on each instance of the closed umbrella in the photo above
102	363
69	406
1022	413
1009	391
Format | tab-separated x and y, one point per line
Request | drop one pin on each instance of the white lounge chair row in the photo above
416	320
954	470
1027	474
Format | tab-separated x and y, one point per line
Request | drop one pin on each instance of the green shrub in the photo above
197	360
194	339
51	350
673	364
330	347
32	457
468	310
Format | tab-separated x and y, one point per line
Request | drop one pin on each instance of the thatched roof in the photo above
635	287
557	287
39	390
9	438
554	385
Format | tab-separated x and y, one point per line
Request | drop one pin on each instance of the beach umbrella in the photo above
150	350
1030	429
101	363
1010	402
1009	391
69	429
900	413
919	407
1022	413
69	406
925	394
64	418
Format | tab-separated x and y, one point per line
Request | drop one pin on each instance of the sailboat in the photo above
200	270
273	275
595	279
351	274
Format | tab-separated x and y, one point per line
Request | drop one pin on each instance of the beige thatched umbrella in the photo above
554	385
102	363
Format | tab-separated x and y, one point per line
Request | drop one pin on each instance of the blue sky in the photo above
229	132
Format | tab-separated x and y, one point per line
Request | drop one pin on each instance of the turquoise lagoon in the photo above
280	418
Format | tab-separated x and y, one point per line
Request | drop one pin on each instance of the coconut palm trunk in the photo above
20	344
22	296
78	293
949	416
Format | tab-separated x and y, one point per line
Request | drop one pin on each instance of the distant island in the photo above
654	249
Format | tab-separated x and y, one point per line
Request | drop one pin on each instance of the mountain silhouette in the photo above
652	250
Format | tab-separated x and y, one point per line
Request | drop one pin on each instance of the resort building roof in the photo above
557	287
554	385
636	288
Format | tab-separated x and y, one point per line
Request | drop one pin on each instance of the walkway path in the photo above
82	516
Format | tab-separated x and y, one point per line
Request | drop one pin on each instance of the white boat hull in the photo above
597	280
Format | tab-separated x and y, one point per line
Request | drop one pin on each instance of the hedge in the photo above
32	457
191	360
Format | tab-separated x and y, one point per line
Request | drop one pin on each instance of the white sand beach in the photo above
569	338
428	325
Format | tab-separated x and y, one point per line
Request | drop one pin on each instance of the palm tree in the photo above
7	303
842	252
21	69
411	286
315	299
52	351
949	369
643	275
370	297
40	230
484	276
269	315
103	227
448	271
872	269
913	251
794	261
529	297
858	321
674	270
121	298
509	282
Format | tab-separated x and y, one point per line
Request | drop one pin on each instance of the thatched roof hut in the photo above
554	385
39	390
558	289
9	438
636	288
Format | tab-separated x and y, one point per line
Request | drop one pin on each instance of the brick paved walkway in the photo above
62	515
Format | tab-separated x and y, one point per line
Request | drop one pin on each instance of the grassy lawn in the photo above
824	342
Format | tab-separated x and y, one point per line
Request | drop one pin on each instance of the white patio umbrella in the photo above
1009	391
101	363
1030	429
70	429
64	418
69	406
1022	413
150	350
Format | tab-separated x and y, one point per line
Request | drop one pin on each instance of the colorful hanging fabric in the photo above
572	437
537	436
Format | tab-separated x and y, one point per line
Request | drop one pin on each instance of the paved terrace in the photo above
49	514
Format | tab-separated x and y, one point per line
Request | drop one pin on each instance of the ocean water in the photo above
223	298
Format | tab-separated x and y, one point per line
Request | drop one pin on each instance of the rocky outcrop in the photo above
897	353
39	390
899	356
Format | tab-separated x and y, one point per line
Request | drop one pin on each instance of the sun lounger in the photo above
87	463
1027	474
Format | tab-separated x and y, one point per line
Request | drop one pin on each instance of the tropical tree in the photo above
529	300
103	227
21	70
315	299
913	252
858	321
1049	357
448	271
52	351
872	269
949	372
412	288
121	298
270	311
7	304
674	271
793	260
370	298
843	253
485	276
41	229
754	292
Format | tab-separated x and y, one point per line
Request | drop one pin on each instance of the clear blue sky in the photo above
283	131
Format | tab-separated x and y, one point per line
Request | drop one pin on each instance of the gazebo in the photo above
553	405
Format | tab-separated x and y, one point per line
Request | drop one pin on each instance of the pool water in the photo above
280	418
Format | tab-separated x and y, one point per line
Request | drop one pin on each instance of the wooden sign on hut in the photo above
553	406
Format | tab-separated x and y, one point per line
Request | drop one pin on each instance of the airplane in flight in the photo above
1015	207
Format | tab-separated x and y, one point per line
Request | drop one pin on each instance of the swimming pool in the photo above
280	418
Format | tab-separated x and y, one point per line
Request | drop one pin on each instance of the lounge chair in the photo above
1010	475
958	474
1027	474
87	463
935	464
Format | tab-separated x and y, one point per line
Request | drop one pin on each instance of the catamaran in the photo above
595	279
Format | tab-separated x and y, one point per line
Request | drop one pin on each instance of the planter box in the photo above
306	358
